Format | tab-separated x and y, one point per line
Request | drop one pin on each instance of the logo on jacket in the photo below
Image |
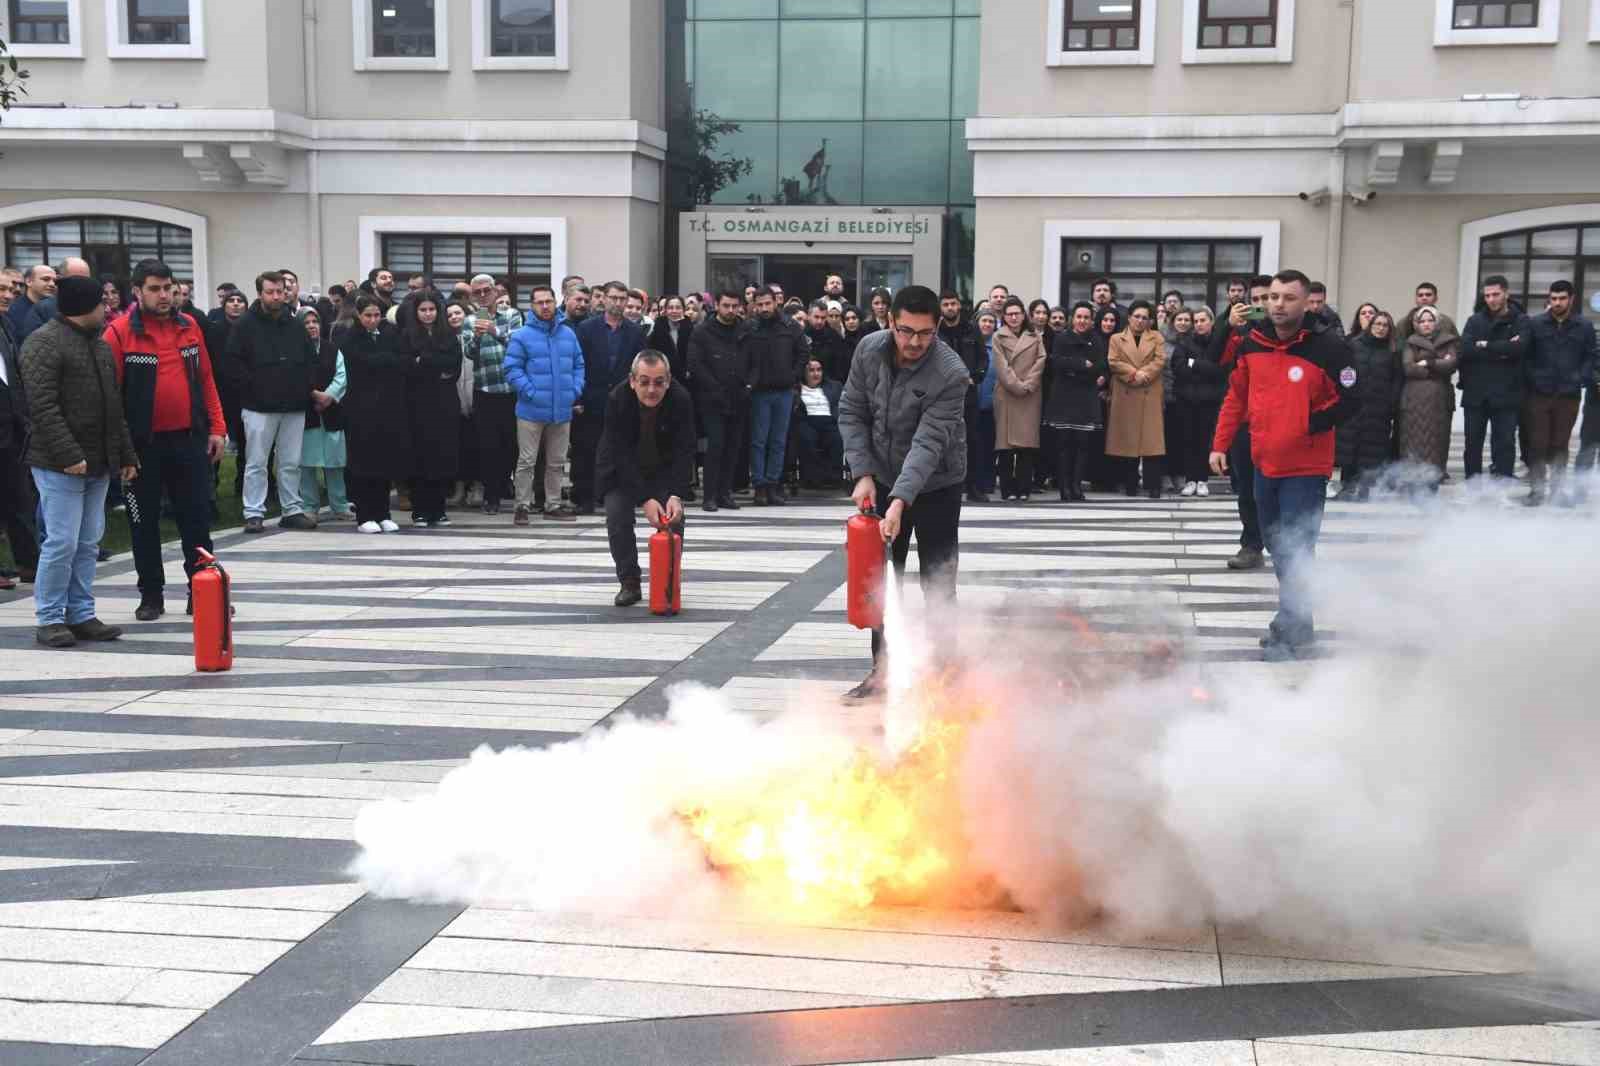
1296	373
1347	377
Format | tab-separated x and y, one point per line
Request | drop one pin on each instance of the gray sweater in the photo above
905	427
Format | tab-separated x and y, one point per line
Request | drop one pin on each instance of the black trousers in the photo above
620	537
1500	426
1242	474
17	506
1197	425
1016	470
494	414
587	429
467	468
1072	459
821	450
935	519
969	414
427	497
724	451
370	496
1153	466
175	465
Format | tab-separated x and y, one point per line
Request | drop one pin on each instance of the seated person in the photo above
646	460
817	439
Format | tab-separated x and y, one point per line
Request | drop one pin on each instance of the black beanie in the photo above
76	295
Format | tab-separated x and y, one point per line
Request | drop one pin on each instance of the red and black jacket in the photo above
1292	393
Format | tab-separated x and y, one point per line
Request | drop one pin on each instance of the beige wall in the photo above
1018	83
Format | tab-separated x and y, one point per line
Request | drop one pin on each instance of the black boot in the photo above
628	595
762	497
727	502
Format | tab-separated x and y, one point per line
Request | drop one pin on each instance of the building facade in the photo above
696	143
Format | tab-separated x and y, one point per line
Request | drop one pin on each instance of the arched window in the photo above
1533	258
111	244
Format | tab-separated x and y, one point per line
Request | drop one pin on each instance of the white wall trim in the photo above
117	46
73	49
361	38
483	60
1473	233
16	214
1268	231
1056	54
373	227
1282	52
1594	21
1445	35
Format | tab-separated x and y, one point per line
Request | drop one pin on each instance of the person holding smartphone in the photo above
1242	318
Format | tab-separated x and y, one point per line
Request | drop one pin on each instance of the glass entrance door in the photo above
805	276
892	273
732	273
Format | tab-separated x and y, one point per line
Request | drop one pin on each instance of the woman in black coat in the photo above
1077	373
1104	474
1200	385
1362	444
433	358
377	419
670	336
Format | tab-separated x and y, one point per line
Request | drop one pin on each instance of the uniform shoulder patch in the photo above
1347	377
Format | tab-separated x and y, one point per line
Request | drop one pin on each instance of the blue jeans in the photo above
769	434
75	519
1291	519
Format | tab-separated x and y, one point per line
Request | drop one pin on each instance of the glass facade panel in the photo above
820	69
819	162
964	70
960	165
907	163
887	8
757	144
735	9
908	68
736	69
824	8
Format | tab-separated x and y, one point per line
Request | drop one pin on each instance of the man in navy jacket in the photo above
609	342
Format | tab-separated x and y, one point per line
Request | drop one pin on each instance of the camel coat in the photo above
1135	429
1019	399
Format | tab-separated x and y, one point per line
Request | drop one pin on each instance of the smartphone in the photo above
1255	314
485	313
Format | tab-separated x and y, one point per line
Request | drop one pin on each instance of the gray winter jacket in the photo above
905	427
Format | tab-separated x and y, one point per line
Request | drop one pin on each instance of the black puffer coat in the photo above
1364	440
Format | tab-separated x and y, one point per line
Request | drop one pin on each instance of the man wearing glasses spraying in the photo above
905	440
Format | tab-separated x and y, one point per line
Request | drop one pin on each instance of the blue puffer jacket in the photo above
544	365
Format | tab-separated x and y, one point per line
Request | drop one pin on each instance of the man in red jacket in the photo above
171	405
1293	383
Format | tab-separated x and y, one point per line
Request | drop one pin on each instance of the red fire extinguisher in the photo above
666	570
865	571
213	616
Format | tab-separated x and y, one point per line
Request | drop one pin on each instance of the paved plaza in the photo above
174	848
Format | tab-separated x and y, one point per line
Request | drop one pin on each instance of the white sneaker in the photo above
1189	489
388	525
369	527
1202	489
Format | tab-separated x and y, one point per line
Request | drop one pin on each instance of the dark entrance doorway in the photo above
803	276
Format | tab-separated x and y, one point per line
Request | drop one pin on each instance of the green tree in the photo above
713	173
11	79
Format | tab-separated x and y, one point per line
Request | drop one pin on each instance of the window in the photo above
1143	269
518	262
1102	25
401	34
1238	23
519	35
1488	22
111	245
1238	31
1096	33
38	22
1531	259
155	29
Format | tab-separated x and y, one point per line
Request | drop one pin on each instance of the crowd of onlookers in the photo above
382	394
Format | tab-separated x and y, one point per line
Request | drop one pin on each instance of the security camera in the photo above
1316	197
1361	197
1085	258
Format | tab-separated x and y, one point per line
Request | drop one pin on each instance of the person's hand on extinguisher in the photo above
865	494
674	511
890	526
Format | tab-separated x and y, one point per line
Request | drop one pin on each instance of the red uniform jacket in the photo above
165	374
1292	393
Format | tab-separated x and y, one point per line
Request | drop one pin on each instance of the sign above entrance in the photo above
811	227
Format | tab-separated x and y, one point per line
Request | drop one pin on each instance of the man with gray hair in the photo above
494	400
645	462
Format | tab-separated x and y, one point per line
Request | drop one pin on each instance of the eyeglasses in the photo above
905	333
650	383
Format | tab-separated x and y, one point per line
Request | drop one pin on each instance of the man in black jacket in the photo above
1561	365
645	461
219	328
775	355
16	495
717	370
273	360
827	344
963	336
1494	348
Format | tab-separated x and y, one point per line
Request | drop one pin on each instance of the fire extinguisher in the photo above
213	615
666	570
865	571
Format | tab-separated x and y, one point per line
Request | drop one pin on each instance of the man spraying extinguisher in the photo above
905	441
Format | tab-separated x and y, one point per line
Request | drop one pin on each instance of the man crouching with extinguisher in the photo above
646	461
905	440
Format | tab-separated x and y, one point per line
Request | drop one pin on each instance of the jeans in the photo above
17	509
620	536
936	520
1291	515
75	519
262	431
171	465
769	433
311	489
1500	425
723	453
553	437
1242	475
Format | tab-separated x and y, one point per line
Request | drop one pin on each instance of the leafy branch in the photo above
12	78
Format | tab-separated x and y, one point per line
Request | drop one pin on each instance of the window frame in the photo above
513	279
361	42
121	221
1161	277
73	49
1577	273
1069	24
1281	52
1057	55
483	57
1203	22
1547	31
119	45
373	229
1267	232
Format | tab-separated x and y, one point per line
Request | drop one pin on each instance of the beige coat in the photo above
1019	395
1136	429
